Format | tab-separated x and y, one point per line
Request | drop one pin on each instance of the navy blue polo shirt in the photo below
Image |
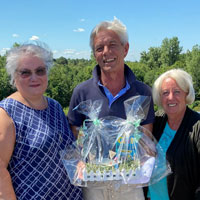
90	89
109	95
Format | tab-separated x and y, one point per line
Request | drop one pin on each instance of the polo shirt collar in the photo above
130	77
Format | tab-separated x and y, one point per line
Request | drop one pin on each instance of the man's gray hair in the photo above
115	25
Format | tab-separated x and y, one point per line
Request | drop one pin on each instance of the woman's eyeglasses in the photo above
25	73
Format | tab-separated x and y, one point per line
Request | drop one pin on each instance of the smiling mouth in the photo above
172	105
34	85
109	60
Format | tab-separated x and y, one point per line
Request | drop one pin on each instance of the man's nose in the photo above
105	49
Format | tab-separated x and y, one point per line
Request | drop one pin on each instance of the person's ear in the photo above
126	48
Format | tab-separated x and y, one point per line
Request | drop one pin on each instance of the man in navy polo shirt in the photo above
114	82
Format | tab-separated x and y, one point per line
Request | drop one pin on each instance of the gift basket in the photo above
115	149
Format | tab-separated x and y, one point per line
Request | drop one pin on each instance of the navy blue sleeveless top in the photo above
35	167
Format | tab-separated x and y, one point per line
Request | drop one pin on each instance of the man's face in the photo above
109	51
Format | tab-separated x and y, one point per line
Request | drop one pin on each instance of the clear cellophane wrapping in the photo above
112	149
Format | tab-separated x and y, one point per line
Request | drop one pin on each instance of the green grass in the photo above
66	110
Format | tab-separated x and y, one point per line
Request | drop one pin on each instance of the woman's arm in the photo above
7	142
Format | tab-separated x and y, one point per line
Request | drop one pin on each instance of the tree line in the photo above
67	73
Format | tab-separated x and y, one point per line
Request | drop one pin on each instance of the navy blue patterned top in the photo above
35	167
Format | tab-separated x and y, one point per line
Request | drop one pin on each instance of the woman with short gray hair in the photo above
182	78
177	130
39	50
33	131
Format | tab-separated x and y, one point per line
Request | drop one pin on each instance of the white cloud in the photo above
69	51
82	20
15	35
55	51
79	30
34	37
3	51
72	53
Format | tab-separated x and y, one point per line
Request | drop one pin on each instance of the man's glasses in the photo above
25	73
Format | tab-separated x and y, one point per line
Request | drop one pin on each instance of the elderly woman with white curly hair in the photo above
33	130
177	129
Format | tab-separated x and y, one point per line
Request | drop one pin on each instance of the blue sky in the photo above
65	25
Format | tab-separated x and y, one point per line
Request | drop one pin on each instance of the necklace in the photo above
38	106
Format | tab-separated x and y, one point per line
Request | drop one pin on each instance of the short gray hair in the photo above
182	78
38	49
115	25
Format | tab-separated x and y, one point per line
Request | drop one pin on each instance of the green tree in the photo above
5	87
150	77
193	67
16	44
2	61
93	60
152	58
59	84
62	60
139	69
170	51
